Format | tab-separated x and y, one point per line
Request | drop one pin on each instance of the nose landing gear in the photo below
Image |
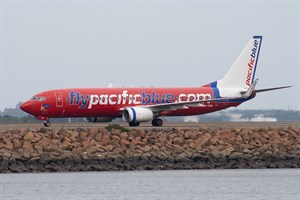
47	123
46	120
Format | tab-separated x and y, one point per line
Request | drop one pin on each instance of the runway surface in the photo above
216	125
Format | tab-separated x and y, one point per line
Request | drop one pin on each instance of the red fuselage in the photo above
109	102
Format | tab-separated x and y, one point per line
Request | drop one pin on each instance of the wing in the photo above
185	105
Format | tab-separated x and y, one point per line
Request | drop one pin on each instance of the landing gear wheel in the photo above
157	122
47	123
134	123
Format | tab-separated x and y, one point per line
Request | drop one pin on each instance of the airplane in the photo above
135	105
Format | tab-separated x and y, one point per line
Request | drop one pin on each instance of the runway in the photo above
213	126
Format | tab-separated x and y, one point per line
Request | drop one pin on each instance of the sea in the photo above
141	185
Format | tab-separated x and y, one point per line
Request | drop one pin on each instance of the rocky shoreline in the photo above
97	149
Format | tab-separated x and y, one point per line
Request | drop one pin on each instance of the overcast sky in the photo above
60	44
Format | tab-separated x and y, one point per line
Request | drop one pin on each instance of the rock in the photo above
87	143
147	155
193	145
109	147
96	149
29	136
105	139
66	145
228	151
142	133
16	155
93	131
83	135
123	135
178	149
115	142
182	158
6	154
172	136
36	137
213	141
124	142
247	151
216	154
191	135
146	148
8	143
203	139
235	155
137	153
115	137
178	141
98	137
226	133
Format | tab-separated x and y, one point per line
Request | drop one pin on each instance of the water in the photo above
183	184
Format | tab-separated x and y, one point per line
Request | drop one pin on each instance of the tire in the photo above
47	123
134	123
157	122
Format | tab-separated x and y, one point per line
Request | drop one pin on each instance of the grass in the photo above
116	126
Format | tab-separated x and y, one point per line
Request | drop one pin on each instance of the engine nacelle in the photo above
98	119
137	114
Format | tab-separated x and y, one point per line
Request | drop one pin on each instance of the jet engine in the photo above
98	119
137	114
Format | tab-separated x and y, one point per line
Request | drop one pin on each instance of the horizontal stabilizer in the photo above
269	89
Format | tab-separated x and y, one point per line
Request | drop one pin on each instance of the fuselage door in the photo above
59	99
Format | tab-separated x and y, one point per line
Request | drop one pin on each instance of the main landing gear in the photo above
47	123
157	122
134	123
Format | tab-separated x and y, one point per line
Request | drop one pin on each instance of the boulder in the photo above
228	151
93	132
29	136
105	139
8	143
247	151
191	135
146	148
203	139
109	147
178	149
98	137
66	145
124	142
178	141
83	135
115	137
123	135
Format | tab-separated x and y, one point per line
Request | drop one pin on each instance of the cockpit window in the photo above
36	98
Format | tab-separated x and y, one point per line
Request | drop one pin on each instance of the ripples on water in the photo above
181	184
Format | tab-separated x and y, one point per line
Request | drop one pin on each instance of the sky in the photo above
65	44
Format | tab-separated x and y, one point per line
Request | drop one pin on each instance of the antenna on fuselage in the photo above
111	84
